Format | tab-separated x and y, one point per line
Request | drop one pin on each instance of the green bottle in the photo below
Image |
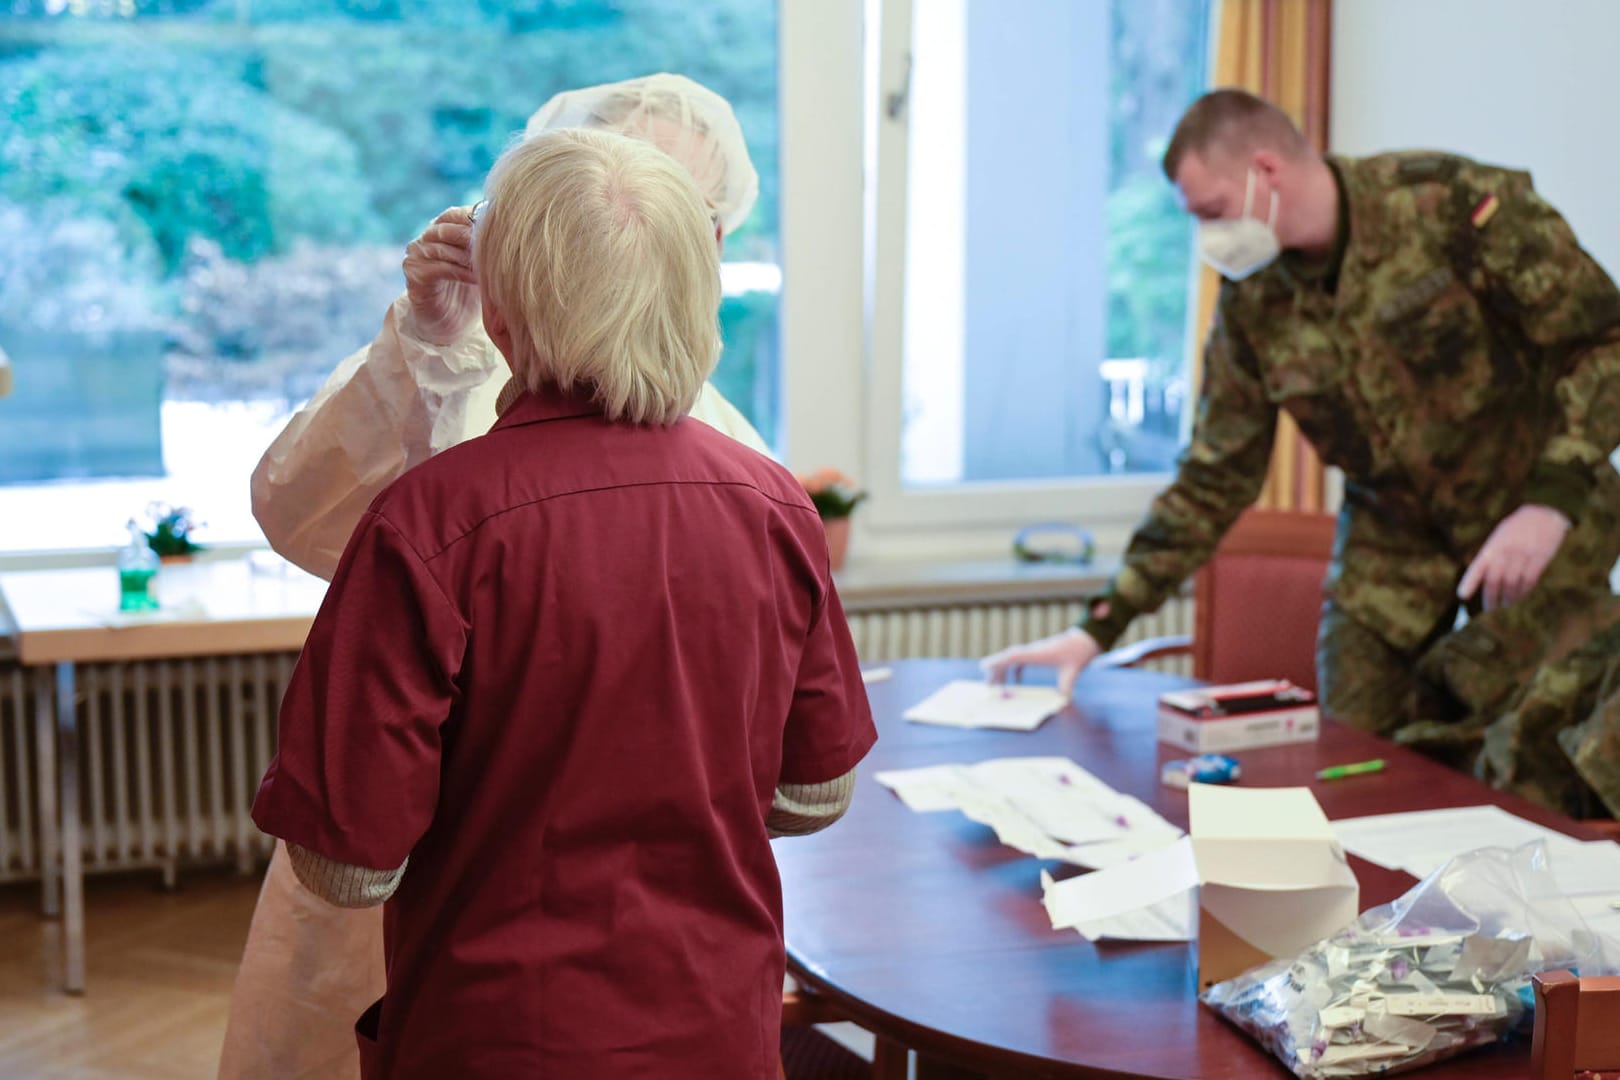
137	566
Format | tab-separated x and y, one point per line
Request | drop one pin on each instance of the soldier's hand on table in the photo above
1069	652
440	280
1514	555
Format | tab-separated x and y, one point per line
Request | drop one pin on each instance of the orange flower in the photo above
834	494
825	479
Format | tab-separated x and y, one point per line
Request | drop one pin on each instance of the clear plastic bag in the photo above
1441	970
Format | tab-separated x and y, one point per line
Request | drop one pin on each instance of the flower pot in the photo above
837	540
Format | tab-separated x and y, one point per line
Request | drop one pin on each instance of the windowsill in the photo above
69	558
863	584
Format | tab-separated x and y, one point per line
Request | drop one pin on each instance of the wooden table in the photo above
66	617
928	932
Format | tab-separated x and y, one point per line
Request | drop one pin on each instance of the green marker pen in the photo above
1338	772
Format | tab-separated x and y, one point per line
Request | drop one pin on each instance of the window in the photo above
205	202
1033	269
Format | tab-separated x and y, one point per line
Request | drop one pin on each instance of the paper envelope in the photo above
1273	878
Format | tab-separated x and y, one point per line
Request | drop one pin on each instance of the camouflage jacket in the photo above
1467	362
1537	715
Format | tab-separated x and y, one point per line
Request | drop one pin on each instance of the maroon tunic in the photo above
563	667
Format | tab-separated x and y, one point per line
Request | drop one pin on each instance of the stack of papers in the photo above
966	703
1422	841
1048	807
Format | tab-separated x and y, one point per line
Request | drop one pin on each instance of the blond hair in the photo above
1232	121
598	252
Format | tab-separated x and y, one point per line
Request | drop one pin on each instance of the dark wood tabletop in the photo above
926	930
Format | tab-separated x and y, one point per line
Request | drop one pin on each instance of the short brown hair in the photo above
1232	120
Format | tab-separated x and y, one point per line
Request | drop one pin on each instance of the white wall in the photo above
1534	84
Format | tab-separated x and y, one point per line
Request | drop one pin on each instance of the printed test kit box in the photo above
1220	719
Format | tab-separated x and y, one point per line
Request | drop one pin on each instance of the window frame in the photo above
842	242
840	413
81	546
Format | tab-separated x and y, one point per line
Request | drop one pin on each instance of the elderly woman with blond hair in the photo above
429	381
571	676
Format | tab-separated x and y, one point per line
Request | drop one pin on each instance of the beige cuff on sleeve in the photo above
801	809
342	884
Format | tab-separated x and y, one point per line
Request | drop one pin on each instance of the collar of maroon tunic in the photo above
518	406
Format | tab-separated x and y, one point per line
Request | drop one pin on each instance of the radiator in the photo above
173	750
172	754
973	630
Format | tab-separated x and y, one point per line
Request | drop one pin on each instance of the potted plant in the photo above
835	497
169	532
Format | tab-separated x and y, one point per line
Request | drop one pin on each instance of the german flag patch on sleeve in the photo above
1484	210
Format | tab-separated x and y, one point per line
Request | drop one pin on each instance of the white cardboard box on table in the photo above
1241	716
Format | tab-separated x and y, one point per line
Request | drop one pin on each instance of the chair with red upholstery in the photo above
1577	1028
1258	602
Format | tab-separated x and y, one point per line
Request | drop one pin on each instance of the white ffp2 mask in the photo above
1239	247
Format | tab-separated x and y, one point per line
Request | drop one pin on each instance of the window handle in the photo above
897	100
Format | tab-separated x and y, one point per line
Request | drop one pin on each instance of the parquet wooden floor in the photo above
160	967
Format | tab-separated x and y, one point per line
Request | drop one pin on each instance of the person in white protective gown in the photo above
430	380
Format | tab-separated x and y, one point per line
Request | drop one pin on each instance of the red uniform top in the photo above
563	668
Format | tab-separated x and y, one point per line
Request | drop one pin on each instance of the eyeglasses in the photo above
477	208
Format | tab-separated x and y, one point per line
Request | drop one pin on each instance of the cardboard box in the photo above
1272	877
1219	719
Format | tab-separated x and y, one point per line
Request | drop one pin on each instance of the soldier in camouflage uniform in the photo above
1439	335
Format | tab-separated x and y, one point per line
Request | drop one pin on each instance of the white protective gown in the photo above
310	969
390	406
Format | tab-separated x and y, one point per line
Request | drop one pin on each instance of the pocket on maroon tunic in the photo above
365	1034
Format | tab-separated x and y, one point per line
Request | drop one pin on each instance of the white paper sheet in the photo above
1586	868
1422	841
1142	839
1048	807
927	789
1602	917
968	703
1105	895
1060	798
1171	919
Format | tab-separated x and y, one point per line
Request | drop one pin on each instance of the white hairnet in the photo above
691	123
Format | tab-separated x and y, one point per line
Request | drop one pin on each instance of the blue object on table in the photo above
1203	769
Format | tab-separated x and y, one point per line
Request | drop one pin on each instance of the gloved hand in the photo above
1069	652
440	280
1514	555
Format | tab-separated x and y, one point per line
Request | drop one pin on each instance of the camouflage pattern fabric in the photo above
1593	745
1467	363
1528	711
1475	670
1460	361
